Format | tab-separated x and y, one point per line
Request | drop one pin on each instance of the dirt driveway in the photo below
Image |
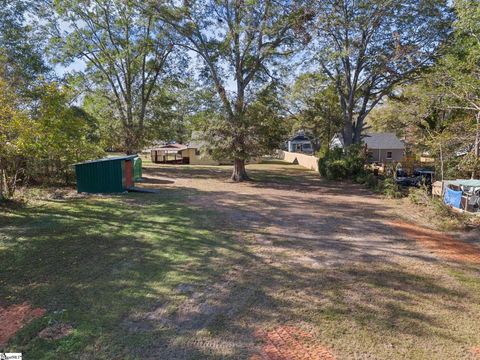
328	272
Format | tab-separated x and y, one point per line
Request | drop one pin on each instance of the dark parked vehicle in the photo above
419	177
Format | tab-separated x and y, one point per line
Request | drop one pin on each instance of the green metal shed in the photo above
137	169
109	175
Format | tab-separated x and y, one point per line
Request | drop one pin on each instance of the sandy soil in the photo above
338	222
317	245
14	317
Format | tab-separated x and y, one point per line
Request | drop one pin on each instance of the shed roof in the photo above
463	182
174	146
115	158
383	141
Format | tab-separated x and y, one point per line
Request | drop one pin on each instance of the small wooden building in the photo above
195	154
109	175
169	154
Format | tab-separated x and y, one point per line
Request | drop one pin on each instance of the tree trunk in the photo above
2	185
347	132
477	137
477	143
441	160
130	142
239	173
129	150
357	136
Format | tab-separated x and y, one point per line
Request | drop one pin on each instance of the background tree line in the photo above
243	72
438	113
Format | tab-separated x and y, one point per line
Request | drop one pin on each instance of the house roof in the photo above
383	141
299	138
337	141
171	147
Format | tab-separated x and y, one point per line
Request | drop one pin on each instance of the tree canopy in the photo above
240	44
21	48
440	111
125	53
315	109
368	47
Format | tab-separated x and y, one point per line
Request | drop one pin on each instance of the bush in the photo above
387	187
367	179
325	157
436	212
337	169
360	179
391	189
342	164
419	195
371	180
355	158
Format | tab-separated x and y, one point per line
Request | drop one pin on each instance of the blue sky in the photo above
77	65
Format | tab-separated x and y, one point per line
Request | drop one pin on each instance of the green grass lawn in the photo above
93	262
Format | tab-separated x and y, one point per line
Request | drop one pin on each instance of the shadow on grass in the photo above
97	260
174	275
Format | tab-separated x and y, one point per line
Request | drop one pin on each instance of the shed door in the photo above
128	173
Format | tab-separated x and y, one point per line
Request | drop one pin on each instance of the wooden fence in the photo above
307	161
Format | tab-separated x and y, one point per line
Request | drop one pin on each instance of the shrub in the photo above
360	179
367	179
342	164
391	189
337	169
355	158
436	212
371	180
419	195
325	157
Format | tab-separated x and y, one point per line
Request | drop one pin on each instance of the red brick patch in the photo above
441	244
14	317
290	343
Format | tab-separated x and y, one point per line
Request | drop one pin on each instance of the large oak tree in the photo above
21	50
367	47
239	43
124	51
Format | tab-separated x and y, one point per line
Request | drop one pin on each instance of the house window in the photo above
389	155
197	152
